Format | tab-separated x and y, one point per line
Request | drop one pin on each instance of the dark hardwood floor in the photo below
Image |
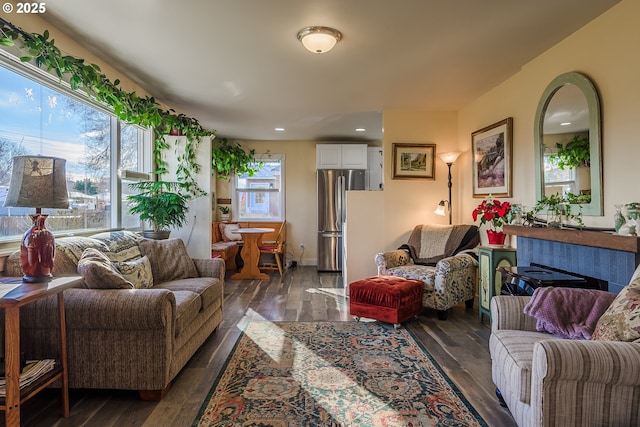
459	345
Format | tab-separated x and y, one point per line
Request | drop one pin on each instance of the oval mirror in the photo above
567	137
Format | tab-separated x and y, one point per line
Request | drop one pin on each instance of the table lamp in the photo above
37	182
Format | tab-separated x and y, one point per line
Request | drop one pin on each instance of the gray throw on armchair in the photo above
441	256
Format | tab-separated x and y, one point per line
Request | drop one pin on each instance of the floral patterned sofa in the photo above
441	256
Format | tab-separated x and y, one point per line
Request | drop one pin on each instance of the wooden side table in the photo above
489	259
13	295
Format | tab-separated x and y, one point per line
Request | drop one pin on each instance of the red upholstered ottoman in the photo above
386	298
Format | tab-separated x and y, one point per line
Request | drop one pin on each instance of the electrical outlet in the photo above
302	246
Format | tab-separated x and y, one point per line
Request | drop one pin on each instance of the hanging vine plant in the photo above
228	158
128	106
575	153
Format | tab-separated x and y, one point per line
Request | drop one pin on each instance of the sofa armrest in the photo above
606	362
391	259
211	267
381	263
455	279
598	379
120	309
507	312
456	262
116	309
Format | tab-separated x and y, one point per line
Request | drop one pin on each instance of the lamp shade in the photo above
38	182
319	39
450	156
442	208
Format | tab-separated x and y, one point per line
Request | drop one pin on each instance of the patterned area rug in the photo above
307	374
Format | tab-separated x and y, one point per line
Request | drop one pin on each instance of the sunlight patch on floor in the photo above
274	348
332	292
287	352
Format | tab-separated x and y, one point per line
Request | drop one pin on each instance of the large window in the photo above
261	197
37	117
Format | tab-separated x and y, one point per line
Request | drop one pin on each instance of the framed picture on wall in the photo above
492	159
413	161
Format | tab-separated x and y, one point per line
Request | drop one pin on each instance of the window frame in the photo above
236	191
571	183
41	77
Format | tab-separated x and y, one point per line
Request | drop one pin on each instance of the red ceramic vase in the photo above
496	237
37	251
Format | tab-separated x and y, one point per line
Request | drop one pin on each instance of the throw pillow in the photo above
621	321
568	312
137	271
228	232
69	250
169	259
99	273
122	245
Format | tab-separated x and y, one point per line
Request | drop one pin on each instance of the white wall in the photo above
607	51
365	214
196	234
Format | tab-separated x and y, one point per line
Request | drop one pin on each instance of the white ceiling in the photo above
237	66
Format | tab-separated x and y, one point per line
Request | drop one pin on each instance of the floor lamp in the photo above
448	158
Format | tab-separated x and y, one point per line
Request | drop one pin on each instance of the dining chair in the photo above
276	249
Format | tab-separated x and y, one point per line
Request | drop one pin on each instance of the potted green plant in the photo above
557	207
225	213
160	203
575	153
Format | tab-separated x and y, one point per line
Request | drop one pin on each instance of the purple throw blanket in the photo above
568	312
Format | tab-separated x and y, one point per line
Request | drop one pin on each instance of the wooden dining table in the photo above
252	238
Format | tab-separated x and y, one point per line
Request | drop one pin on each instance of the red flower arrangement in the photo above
493	211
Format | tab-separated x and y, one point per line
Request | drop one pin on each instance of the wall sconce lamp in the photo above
448	158
442	208
319	39
37	182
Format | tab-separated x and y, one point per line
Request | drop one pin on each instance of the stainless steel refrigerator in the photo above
332	184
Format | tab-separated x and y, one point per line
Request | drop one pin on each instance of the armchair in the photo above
441	257
549	381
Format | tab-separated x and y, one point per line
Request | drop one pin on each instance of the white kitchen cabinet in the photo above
341	156
373	175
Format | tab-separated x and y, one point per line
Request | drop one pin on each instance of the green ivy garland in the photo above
128	106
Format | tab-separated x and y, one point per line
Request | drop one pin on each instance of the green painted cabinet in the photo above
490	281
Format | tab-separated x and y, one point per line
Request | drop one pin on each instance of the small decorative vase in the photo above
618	218
517	210
633	210
37	249
554	218
496	237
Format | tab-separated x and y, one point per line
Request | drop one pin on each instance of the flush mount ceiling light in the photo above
319	39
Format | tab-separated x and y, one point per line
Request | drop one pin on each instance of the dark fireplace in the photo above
592	282
608	259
